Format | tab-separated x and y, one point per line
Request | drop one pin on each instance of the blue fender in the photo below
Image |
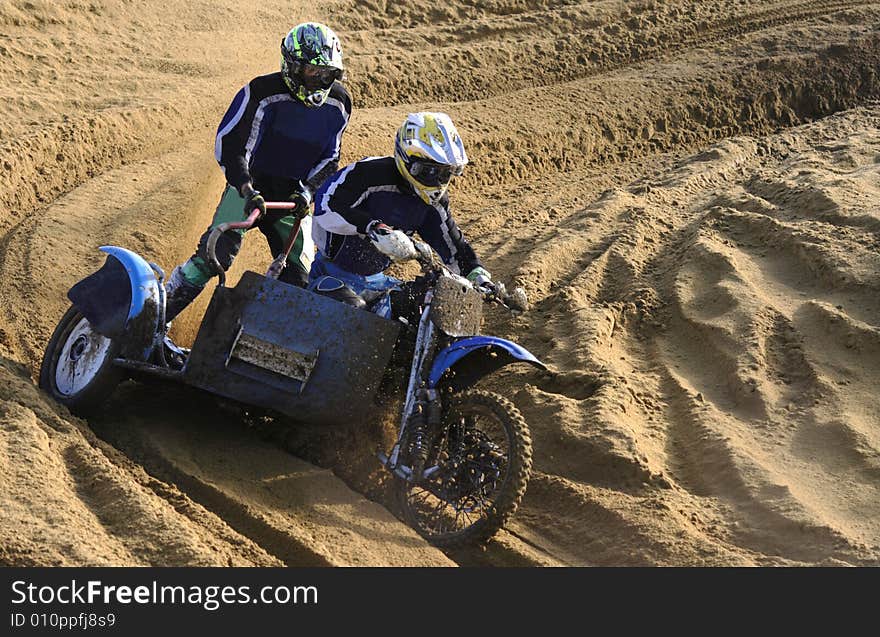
121	301
144	286
471	358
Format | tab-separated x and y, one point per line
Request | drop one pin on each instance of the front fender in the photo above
121	301
469	359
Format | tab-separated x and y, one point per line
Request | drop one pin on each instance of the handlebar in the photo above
515	301
211	247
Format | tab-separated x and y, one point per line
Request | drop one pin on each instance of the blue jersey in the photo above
271	138
373	190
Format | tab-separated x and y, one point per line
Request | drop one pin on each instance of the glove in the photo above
424	250
302	197
252	200
392	243
482	280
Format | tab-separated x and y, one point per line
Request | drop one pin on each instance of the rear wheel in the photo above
483	461
77	368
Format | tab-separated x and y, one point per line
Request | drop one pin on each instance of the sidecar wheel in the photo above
484	461
77	368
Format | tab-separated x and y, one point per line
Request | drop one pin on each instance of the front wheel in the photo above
477	473
77	368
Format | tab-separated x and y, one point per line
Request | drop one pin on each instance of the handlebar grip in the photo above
280	205
517	300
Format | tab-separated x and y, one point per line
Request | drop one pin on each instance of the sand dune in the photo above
688	191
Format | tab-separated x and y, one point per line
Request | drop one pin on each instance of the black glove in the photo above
303	199
252	200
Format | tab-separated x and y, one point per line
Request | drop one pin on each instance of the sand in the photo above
687	190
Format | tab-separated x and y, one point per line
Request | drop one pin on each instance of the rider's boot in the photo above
179	293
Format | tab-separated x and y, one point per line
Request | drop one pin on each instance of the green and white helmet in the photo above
428	153
311	60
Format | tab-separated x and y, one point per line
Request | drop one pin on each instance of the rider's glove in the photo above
302	197
392	243
252	200
482	280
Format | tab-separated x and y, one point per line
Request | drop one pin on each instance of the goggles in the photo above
431	173
319	76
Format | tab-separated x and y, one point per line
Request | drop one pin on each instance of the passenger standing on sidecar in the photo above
278	141
365	213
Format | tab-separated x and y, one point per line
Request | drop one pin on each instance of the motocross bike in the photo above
462	458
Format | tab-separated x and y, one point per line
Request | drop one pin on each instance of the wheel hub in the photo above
82	358
79	346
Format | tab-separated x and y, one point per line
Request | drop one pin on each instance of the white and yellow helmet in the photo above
429	152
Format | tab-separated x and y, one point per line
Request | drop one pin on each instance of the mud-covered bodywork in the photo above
457	310
121	301
272	344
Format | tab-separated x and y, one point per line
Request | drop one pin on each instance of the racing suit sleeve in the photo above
336	210
230	146
329	161
441	232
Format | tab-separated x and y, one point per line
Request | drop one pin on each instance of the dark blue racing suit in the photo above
373	190
272	139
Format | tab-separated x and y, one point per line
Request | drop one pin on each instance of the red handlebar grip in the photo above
280	205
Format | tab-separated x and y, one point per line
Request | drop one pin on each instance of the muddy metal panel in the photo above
457	309
274	345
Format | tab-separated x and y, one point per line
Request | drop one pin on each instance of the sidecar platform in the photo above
274	345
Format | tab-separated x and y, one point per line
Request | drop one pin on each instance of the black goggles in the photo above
322	76
431	173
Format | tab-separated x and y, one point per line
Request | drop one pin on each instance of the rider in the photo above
279	140
365	213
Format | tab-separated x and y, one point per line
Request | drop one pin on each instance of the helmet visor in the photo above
431	173
317	77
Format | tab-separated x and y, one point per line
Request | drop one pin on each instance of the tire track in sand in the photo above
582	47
296	511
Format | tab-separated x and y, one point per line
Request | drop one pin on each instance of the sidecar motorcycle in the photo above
462	458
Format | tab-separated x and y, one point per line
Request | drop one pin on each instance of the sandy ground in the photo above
688	191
